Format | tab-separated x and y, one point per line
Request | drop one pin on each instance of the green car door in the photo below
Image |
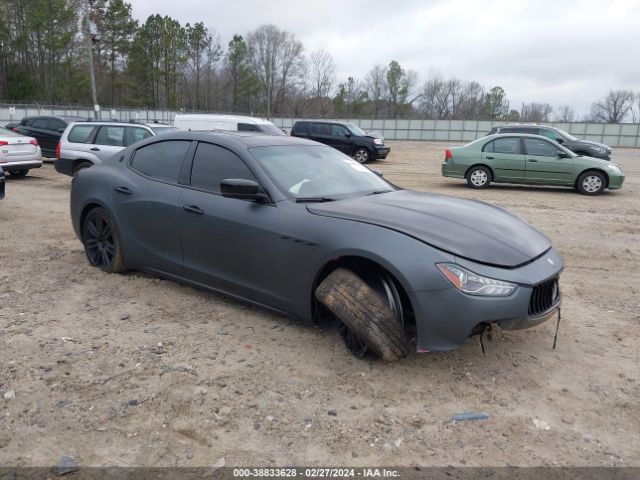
504	156
546	163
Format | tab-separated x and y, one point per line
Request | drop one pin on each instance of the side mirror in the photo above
560	140
347	135
563	155
242	189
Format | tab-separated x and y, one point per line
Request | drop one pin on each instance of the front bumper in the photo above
445	318
20	165
381	152
615	181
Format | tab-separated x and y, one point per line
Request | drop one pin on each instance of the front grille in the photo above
545	295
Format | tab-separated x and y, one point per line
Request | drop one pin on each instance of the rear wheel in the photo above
591	183
20	173
101	241
479	177
370	313
361	155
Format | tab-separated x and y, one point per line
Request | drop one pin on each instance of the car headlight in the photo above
473	284
614	168
599	149
378	141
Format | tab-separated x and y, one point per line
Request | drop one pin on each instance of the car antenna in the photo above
555	337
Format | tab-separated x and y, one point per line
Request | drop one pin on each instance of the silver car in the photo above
84	144
18	153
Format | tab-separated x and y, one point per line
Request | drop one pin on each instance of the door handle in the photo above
490	158
123	190
95	149
532	159
193	209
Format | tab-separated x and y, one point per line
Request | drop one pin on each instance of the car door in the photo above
109	140
321	132
340	138
544	164
229	244
38	128
146	201
504	156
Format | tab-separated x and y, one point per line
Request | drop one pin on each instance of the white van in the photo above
206	122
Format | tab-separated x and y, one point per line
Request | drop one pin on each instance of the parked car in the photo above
87	143
585	148
1	183
18	154
47	129
304	230
345	137
13	126
232	123
529	159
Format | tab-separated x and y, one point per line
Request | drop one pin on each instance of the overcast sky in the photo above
555	51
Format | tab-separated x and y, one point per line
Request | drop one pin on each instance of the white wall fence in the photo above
615	135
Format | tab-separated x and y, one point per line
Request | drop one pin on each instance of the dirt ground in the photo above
131	370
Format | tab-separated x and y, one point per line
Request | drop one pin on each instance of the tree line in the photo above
162	64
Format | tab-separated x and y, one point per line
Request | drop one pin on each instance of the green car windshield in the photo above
318	172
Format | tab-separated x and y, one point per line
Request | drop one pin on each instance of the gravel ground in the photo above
133	370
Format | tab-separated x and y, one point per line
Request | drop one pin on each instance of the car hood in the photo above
595	144
474	230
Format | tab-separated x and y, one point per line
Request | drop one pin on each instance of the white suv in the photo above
84	144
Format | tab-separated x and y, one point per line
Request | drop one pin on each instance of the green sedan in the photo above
531	160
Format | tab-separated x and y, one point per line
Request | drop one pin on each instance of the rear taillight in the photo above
2	142
33	141
447	155
58	151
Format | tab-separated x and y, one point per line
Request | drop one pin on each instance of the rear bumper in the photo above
64	166
20	165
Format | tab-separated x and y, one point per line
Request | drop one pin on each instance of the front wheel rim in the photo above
479	177
99	242
361	155
592	184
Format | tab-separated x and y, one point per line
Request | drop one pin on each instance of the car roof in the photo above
515	134
62	117
235	139
229	118
534	125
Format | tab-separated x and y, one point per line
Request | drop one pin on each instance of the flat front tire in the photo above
371	324
479	177
102	242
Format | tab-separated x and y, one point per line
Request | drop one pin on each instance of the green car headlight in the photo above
473	284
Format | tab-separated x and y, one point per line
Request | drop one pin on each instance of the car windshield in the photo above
159	130
270	129
566	135
356	130
318	172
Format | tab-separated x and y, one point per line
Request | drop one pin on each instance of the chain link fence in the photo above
612	134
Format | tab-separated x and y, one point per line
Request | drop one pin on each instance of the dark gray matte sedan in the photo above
304	230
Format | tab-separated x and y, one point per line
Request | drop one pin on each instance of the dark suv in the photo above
47	129
346	137
580	147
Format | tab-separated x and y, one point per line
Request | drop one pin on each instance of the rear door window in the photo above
338	131
110	135
40	123
301	128
81	133
248	127
162	160
321	129
212	164
135	134
507	145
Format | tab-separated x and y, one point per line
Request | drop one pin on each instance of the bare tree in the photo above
566	113
614	107
274	55
536	112
323	74
376	85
